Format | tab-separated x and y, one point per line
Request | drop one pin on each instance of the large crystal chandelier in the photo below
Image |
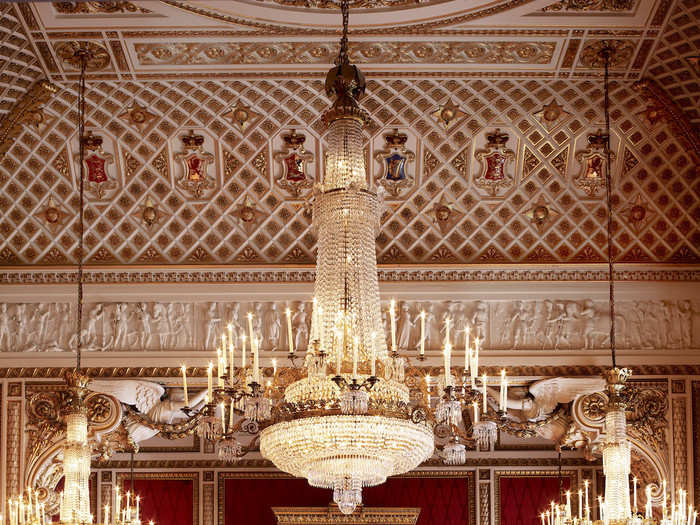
344	426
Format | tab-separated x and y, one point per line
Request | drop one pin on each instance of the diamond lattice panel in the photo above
652	170
671	66
18	65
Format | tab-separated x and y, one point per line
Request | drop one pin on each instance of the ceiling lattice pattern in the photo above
652	171
675	61
18	65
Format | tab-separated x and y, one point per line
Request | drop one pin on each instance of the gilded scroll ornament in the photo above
590	5
494	160
395	175
248	216
552	115
542	213
242	116
448	114
138	116
97	55
293	160
52	216
445	214
591	177
106	7
195	178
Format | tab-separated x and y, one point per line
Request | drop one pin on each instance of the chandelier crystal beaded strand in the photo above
343	426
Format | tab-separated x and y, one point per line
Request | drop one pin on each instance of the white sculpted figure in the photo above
301	325
120	323
213	328
5	330
405	327
94	316
161	320
271	325
149	399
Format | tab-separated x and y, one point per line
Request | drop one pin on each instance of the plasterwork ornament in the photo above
494	160
53	216
149	214
590	5
293	159
591	177
195	163
97	56
138	116
394	159
248	216
445	214
638	213
107	7
621	56
541	213
242	116
448	114
552	115
98	180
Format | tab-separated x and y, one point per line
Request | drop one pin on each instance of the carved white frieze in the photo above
552	324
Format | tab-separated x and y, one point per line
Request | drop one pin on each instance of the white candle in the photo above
219	363
467	351
243	363
568	504
663	501
585	485
290	335
447	330
648	509
542	516
184	385
224	345
476	412
274	367
634	500
231	365
448	374
373	371
580	504
501	403
209	385
138	505
392	316
117	503
250	328
483	393
505	395
256	369
600	507
422	333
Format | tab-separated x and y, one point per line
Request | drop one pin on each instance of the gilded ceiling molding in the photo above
306	275
657	98
194	53
420	28
331	515
354	4
110	7
591	5
176	372
26	111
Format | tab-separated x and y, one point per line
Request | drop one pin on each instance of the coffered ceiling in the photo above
243	75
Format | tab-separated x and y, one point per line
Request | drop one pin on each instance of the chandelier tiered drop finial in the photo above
344	426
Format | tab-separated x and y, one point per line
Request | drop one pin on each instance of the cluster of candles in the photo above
124	514
25	510
680	512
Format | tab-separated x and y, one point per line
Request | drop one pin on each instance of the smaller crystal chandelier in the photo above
127	507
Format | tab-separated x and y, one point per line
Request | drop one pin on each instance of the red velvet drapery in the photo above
524	498
443	501
165	501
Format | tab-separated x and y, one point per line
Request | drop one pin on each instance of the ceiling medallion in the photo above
248	217
448	114
622	52
292	159
494	161
445	215
69	53
542	213
591	178
638	213
52	216
395	176
149	214
552	115
98	180
195	163
138	116
241	116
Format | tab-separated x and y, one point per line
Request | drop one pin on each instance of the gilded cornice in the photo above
27	110
513	371
306	274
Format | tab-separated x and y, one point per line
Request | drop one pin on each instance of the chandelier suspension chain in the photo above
343	58
83	54
606	52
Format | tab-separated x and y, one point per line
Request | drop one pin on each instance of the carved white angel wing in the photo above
144	395
549	392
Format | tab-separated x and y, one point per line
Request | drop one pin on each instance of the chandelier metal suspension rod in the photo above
343	57
606	53
83	54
